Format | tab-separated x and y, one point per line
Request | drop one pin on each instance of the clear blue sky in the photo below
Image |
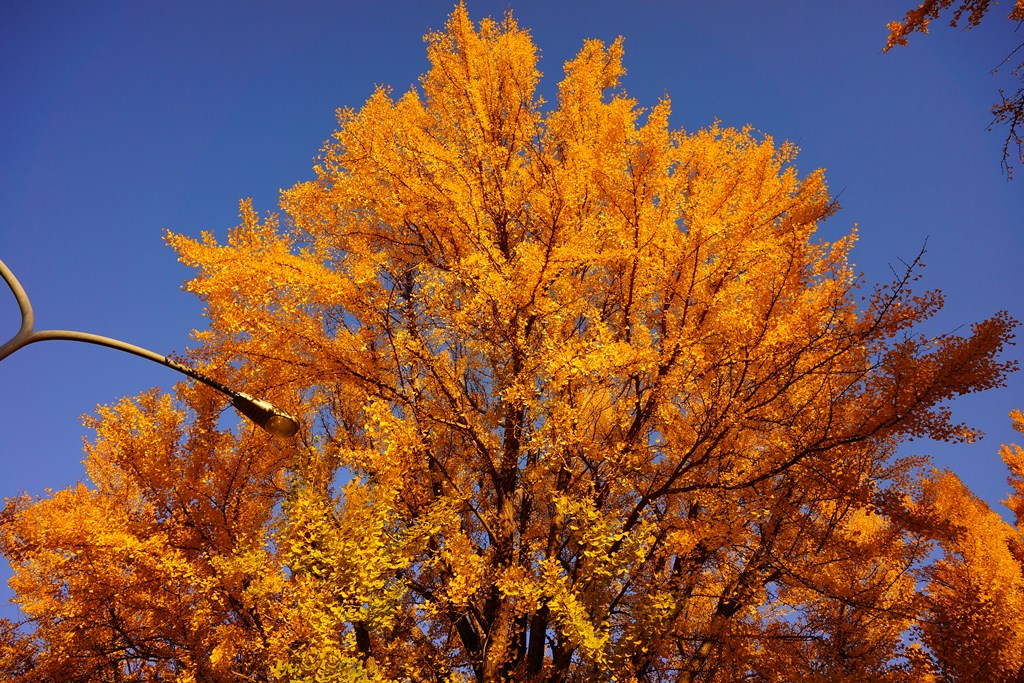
122	119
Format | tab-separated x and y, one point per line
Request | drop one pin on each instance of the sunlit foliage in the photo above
585	398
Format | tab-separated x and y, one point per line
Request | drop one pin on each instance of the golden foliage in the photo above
919	19
975	594
585	398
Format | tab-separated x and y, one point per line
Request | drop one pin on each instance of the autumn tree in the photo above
1009	110
585	397
1013	456
975	593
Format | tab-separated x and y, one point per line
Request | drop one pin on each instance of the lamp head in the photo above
265	415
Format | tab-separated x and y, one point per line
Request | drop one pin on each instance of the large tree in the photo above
584	398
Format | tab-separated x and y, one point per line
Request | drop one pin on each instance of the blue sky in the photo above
122	119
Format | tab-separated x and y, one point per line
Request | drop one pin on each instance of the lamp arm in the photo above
27	316
261	412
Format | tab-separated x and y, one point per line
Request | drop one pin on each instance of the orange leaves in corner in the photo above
975	593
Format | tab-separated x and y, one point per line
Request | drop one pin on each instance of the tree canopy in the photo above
584	397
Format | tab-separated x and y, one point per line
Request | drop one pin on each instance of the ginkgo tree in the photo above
585	398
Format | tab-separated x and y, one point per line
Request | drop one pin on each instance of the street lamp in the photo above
261	412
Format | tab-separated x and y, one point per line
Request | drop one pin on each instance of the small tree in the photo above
1009	110
585	399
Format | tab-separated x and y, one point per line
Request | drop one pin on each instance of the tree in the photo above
975	593
1013	456
1009	110
585	398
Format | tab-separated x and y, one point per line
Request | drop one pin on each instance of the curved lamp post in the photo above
260	412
